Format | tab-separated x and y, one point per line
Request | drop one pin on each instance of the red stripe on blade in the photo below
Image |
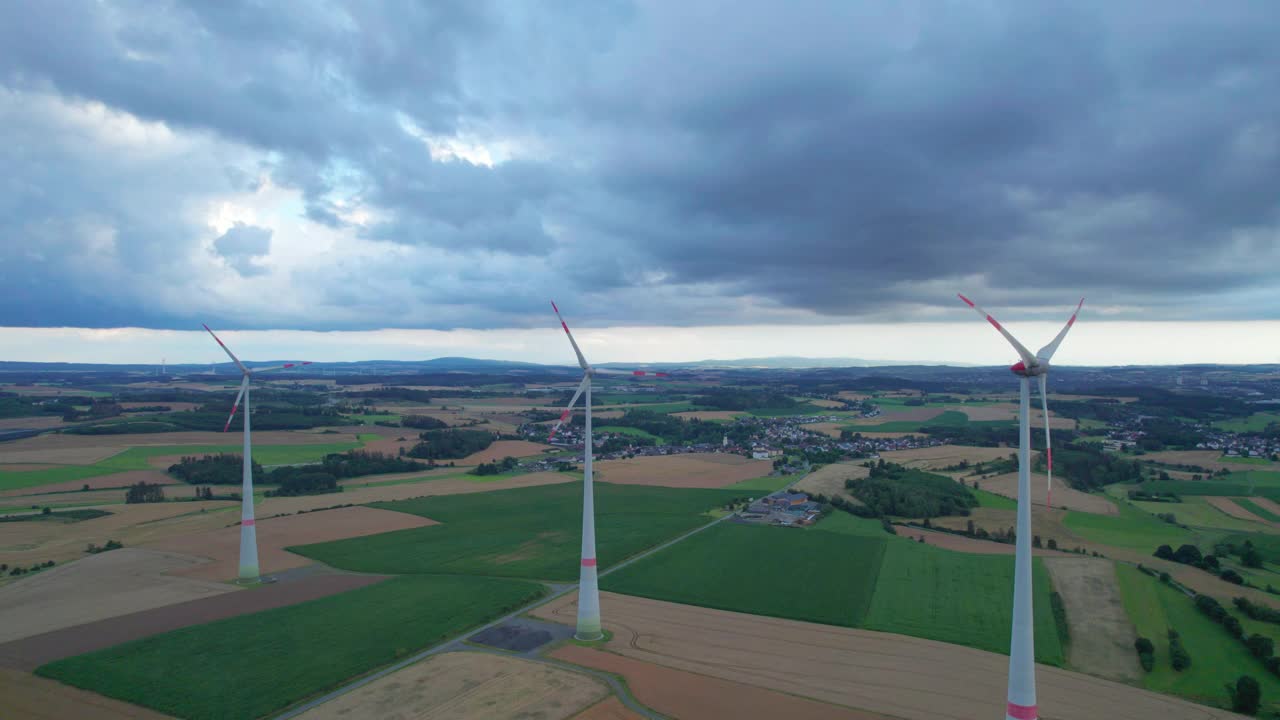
965	299
588	562
638	372
564	415
1021	712
566	327
553	306
993	322
662	374
1049	453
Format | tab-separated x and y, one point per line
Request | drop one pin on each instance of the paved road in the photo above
458	644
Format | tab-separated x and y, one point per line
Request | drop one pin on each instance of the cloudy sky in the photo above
687	179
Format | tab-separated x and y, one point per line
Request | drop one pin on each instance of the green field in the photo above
992	500
1090	423
1132	528
845	571
800	409
254	665
1257	509
1256	422
949	418
1196	512
824	577
766	484
137	459
1216	658
376	417
634	432
959	598
1259	461
526	532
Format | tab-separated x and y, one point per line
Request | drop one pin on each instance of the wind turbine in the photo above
588	584
1022	656
248	530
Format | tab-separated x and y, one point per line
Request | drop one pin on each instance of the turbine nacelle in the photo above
1037	368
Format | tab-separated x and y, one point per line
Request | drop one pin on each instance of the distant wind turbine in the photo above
588	584
248	529
1022	671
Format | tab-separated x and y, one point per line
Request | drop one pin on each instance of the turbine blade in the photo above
227	350
281	367
1047	351
582	361
582	386
633	373
244	385
1027	358
1048	449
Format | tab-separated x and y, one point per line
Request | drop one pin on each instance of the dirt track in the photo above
858	668
32	652
463	686
35	698
690	696
96	587
1101	634
684	471
222	546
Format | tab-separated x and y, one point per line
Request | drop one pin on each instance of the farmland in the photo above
1131	528
850	576
269	660
1216	658
722	567
527	532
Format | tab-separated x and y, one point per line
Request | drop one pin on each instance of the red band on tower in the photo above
248	523
1021	712
588	562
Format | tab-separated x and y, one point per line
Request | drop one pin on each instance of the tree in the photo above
1179	658
1164	552
1251	557
1246	696
1260	645
1233	626
1232	576
46	511
1146	653
1188	555
1053	544
1035	541
969	527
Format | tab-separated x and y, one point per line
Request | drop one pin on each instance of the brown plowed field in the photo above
118	480
467	686
1102	636
25	543
689	696
1229	506
222	546
1065	497
32	652
96	587
875	671
610	709
1266	504
39	422
684	471
505	448
35	698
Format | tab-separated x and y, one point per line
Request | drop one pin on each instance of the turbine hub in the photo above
1021	370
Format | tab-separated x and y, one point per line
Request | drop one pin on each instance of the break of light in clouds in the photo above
389	164
1100	343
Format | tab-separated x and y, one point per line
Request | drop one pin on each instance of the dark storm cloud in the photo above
672	159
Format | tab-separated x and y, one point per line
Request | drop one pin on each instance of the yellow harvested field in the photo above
854	396
468	686
873	671
222	546
1102	636
505	448
26	543
1063	496
40	422
709	470
826	428
935	458
826	403
829	480
98	587
708	414
101	482
362	495
35	698
609	709
915	414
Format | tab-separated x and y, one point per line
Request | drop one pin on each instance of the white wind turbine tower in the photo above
248	529
588	585
1022	656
